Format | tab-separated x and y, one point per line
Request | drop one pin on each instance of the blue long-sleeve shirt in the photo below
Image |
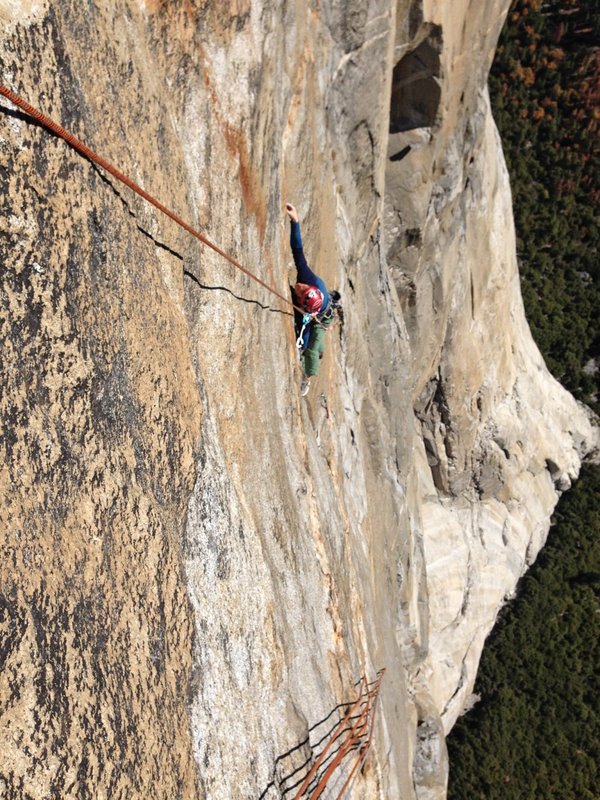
304	272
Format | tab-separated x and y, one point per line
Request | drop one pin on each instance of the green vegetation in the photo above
535	734
545	93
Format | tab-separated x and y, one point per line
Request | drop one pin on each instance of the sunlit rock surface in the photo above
198	564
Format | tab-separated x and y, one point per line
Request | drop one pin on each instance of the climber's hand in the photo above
291	211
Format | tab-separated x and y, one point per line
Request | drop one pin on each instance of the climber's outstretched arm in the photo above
305	273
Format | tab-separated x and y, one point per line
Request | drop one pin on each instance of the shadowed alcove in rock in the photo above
415	86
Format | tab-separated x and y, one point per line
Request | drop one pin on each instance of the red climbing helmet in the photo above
309	297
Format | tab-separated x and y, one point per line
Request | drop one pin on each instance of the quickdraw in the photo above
306	319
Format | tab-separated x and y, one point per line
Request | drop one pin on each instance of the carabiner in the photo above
305	321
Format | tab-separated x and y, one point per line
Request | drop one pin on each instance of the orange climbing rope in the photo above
89	153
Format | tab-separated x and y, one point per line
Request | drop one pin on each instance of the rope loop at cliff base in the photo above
86	151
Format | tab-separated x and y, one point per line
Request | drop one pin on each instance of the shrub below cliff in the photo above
536	731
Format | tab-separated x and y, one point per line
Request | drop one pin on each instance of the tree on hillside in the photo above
545	85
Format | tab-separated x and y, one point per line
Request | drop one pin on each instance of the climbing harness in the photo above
82	148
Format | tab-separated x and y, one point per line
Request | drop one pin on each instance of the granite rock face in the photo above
198	564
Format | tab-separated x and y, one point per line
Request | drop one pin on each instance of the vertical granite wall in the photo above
198	564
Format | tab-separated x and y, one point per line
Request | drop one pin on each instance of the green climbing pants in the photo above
314	351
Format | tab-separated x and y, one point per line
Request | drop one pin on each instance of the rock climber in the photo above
321	307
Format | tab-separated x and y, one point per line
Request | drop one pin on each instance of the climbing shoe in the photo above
304	386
